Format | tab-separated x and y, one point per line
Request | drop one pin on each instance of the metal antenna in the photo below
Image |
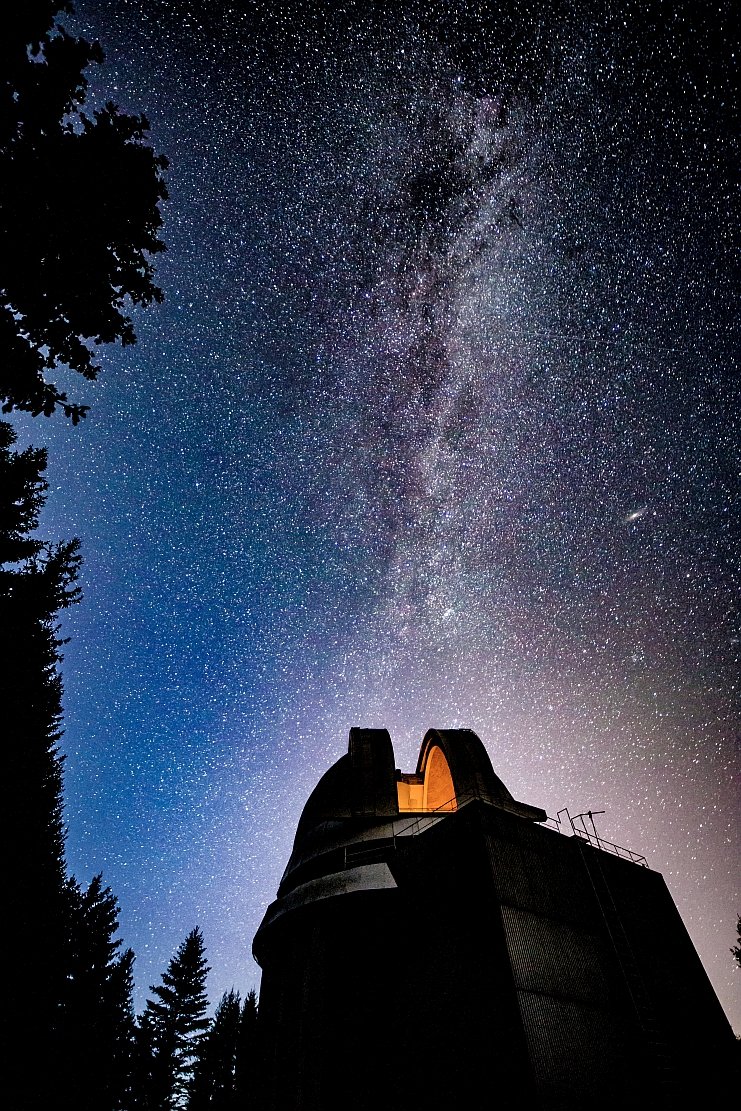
591	814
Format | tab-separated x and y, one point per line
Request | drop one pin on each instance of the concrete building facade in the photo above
433	943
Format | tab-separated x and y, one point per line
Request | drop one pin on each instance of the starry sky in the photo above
437	425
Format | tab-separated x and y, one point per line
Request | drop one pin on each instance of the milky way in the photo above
438	425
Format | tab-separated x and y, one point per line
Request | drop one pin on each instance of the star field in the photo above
437	425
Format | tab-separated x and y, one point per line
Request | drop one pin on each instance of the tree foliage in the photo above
94	1036
248	1070
79	220
227	1071
171	1029
79	215
36	581
68	988
68	995
215	1069
736	949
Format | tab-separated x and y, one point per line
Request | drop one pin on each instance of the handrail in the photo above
593	839
448	807
424	819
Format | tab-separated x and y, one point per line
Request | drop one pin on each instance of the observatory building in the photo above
437	944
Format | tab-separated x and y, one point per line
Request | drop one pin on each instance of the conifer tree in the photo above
79	196
36	582
171	1028
68	993
247	1070
214	1077
79	215
95	1033
142	1071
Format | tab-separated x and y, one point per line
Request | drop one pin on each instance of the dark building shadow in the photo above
435	944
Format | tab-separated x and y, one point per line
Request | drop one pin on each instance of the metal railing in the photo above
592	837
572	825
424	820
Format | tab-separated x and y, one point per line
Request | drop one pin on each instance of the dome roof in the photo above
362	804
363	784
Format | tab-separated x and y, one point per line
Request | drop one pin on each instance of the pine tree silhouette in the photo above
171	1029
79	196
36	582
68	991
79	216
94	1038
214	1077
247	1086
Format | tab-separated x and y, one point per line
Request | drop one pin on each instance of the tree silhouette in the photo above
226	1074
79	214
36	582
79	196
171	1028
736	949
94	1035
215	1069
248	1062
68	991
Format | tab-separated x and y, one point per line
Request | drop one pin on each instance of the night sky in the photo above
438	425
